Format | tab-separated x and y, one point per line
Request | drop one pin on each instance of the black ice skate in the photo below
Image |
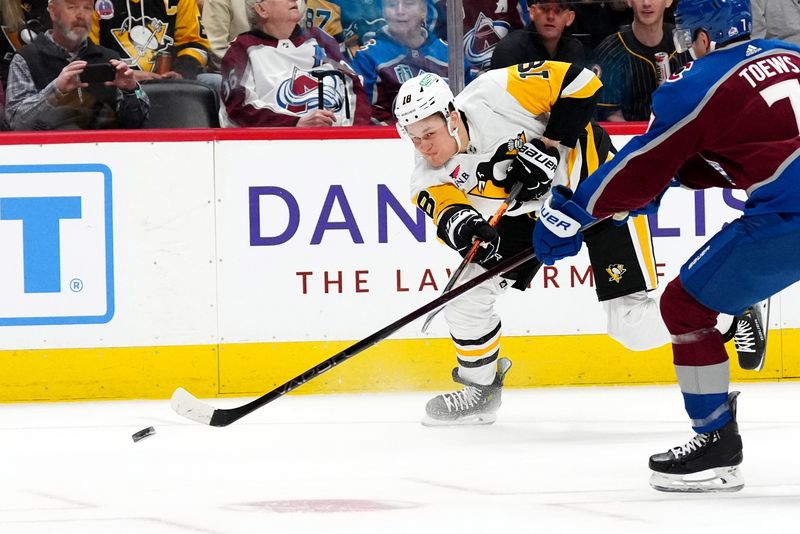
749	334
473	405
707	463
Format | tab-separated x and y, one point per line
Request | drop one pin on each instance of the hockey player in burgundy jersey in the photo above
731	119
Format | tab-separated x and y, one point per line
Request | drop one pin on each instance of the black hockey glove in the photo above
535	166
461	225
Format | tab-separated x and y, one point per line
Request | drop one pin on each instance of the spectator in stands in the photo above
277	74
485	23
402	49
223	20
594	21
20	23
44	83
353	23
626	63
776	20
156	38
543	39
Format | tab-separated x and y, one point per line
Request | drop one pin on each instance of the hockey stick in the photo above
472	251
187	405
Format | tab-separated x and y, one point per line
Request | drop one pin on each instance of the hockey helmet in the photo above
420	97
722	20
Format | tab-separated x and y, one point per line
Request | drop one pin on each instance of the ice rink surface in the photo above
557	460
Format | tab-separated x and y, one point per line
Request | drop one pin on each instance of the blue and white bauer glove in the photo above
557	232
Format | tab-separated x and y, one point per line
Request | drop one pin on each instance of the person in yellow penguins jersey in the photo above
526	123
156	38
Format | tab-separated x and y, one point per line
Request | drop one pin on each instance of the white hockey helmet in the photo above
420	97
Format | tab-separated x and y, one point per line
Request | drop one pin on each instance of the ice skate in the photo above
749	334
473	405
707	463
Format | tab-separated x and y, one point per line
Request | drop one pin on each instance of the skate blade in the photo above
718	479
476	419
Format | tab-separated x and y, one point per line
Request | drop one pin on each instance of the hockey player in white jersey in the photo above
527	123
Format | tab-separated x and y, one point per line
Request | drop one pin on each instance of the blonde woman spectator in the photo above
776	19
223	20
277	73
20	23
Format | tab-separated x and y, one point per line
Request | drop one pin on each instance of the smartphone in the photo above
96	73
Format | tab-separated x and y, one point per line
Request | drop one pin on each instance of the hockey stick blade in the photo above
190	407
512	195
186	405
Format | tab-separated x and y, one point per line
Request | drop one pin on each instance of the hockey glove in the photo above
461	225
535	166
557	232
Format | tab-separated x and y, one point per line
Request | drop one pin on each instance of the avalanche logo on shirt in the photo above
141	42
479	42
300	93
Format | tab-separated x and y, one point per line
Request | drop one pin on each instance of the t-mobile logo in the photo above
56	235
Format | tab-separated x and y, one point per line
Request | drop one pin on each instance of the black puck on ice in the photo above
143	433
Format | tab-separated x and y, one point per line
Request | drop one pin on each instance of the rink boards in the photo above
230	261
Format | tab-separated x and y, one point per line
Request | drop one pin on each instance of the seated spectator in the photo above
44	83
626	63
144	31
20	22
594	21
223	21
543	39
402	49
485	23
353	23
776	20
279	74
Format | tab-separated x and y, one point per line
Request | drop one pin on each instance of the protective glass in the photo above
683	39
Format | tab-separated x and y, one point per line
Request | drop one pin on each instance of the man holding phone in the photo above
64	81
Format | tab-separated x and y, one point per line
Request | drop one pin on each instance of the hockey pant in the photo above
474	325
752	258
624	271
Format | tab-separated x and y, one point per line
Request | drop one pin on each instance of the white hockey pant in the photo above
475	327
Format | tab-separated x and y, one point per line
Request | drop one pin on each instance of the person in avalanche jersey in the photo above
401	49
526	123
730	119
485	23
279	73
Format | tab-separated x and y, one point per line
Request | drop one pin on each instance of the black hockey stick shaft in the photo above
512	195
224	417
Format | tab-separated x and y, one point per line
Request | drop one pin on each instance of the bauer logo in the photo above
56	238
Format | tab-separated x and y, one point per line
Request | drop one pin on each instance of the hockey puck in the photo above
143	433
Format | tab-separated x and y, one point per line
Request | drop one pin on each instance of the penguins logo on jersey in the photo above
480	40
491	174
142	39
299	93
615	271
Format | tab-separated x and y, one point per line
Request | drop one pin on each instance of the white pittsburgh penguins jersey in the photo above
504	108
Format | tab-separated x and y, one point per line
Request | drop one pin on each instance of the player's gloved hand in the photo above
460	225
557	232
535	166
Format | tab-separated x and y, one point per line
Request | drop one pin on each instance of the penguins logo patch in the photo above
615	271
